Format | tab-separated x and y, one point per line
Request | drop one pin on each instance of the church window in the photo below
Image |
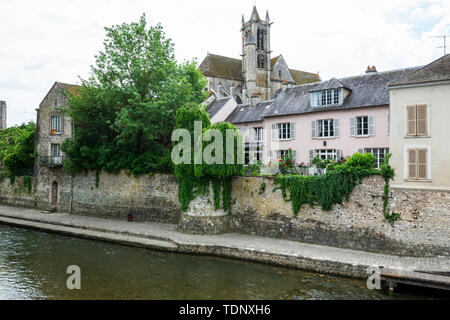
261	39
261	61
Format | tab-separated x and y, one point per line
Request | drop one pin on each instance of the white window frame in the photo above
327	153
259	134
284	131
377	152
322	125
362	126
327	98
56	124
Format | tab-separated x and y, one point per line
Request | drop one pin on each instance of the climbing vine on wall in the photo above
336	185
195	179
388	174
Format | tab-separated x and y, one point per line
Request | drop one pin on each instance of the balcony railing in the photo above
51	162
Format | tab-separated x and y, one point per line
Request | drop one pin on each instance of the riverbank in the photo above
164	237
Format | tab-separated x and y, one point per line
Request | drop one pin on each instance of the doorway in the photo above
54	193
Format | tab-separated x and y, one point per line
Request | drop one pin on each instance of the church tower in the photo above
256	60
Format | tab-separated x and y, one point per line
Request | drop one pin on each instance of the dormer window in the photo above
326	98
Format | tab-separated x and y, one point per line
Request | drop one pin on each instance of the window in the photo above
326	128
327	154
417	120
284	153
362	126
326	98
261	61
260	41
379	153
285	131
56	125
259	137
56	154
253	154
417	164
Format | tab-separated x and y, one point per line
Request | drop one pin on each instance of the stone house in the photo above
257	76
420	112
52	184
334	118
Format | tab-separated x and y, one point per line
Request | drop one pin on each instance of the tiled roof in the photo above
221	67
366	91
302	77
436	71
245	113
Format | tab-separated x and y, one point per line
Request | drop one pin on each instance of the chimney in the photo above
372	69
256	98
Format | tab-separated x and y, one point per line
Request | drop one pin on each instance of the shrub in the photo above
367	161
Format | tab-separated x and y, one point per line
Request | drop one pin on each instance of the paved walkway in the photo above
165	237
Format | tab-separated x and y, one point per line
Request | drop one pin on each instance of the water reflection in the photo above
33	266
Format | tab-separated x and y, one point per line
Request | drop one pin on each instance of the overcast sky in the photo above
45	41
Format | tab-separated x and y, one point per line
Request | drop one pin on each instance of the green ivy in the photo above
27	183
388	174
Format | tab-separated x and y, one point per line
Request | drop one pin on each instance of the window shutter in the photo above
294	154
361	151
352	127
422	120
274	132
314	129
311	156
388	124
338	155
292	130
422	171
371	125
412	164
278	155
336	127
412	126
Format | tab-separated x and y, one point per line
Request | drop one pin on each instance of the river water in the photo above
33	265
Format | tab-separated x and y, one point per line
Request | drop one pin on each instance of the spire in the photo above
267	16
243	21
255	15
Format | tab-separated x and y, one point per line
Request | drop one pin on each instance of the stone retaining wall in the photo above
424	228
16	194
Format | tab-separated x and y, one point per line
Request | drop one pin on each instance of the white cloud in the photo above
43	41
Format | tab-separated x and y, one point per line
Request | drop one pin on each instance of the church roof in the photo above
229	68
221	67
368	90
438	70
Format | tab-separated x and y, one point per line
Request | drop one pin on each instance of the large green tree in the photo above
17	149
125	113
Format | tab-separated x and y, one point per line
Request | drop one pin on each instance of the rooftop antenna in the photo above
445	46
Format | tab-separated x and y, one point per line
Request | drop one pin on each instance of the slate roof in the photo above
245	113
367	90
436	71
229	68
217	105
221	67
328	85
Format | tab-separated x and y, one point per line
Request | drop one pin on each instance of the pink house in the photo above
334	118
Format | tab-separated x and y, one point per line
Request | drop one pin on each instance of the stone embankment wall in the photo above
148	198
18	193
424	228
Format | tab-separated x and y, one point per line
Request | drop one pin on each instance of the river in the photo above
33	266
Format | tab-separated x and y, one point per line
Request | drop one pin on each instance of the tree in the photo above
17	149
125	112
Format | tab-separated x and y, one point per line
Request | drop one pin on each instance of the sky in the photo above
46	41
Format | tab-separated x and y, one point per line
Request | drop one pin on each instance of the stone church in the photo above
257	76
